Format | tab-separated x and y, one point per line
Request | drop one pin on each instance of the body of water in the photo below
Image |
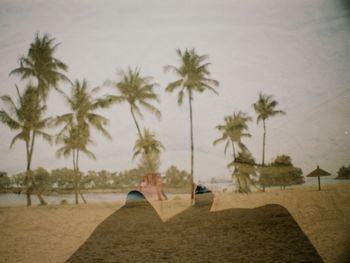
324	180
11	199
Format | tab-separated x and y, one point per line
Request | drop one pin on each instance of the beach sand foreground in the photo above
54	233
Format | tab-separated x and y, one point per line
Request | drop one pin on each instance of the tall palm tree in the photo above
265	108
194	76
41	65
75	134
26	118
233	130
137	91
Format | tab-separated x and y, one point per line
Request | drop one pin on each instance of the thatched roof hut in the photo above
318	172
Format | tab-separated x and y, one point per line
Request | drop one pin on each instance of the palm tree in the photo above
137	91
41	65
147	144
265	108
26	118
194	76
149	148
75	134
233	130
74	143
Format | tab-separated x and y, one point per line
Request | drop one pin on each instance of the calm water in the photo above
325	180
9	199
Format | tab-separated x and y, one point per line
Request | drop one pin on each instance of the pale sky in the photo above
298	51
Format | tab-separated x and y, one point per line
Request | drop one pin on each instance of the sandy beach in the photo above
54	233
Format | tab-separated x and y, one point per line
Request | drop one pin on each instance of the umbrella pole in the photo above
319	183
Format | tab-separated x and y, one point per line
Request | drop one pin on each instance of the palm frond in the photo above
88	153
180	97
64	151
47	137
112	99
6	119
65	118
208	87
226	147
7	100
136	109
219	140
19	136
172	68
174	85
151	109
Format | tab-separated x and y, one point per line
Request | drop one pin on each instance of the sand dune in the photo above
54	233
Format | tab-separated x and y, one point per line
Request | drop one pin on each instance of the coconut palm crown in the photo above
193	74
137	91
233	130
41	65
82	116
147	144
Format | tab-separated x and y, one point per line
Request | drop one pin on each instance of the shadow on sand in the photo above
135	233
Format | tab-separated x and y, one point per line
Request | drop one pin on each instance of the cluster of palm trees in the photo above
235	128
75	136
44	72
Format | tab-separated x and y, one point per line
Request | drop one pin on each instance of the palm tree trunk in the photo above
263	153
41	199
192	153
29	172
233	151
75	179
137	125
82	197
27	178
237	181
264	137
78	180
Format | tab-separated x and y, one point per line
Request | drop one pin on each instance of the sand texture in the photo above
306	226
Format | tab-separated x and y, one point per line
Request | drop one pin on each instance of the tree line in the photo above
63	180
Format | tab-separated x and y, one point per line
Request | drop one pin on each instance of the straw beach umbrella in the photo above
318	172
